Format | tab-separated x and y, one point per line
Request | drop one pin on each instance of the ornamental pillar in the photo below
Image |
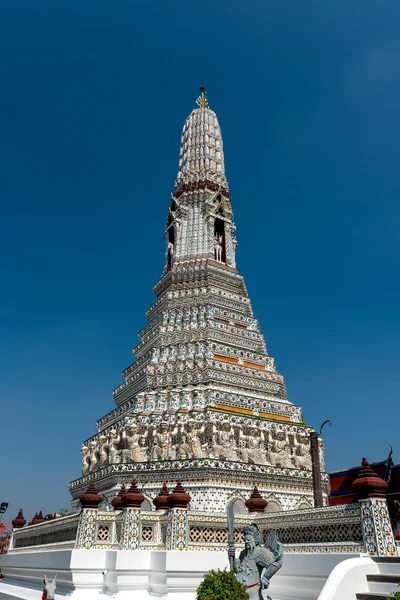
178	524
130	531
316	470
90	501
375	520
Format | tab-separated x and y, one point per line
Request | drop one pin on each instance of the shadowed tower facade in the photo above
202	402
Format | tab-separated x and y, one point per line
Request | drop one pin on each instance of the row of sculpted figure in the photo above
194	439
188	317
181	352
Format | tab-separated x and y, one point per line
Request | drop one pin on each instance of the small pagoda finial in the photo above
202	101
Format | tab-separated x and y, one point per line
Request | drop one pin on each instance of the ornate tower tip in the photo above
202	101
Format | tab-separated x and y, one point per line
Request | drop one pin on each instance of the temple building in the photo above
202	402
202	442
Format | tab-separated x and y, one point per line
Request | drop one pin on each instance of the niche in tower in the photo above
219	240
170	247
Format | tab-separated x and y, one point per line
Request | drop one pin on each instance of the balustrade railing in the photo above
59	534
327	529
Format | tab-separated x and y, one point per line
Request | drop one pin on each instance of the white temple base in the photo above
144	575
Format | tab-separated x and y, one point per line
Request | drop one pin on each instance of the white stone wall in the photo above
171	575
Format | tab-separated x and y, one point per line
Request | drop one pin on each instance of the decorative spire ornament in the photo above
256	503
133	497
202	101
19	520
118	502
161	502
90	499
368	484
179	498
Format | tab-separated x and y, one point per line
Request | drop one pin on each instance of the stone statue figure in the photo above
252	446
170	253
155	355
102	451
49	588
302	457
162	448
93	457
218	247
280	450
257	564
191	446
85	460
224	442
135	450
113	444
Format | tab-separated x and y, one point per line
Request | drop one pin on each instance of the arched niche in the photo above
239	507
236	503
170	246
146	505
273	507
219	231
219	240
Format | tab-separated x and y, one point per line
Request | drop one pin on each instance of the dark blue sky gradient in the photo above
93	98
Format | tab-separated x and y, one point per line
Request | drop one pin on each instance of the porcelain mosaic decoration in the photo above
202	402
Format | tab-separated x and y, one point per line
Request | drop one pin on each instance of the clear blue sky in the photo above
93	98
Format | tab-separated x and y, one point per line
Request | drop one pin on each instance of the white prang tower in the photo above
203	402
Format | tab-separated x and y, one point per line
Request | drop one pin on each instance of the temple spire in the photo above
201	157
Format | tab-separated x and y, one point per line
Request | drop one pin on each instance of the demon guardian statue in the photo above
256	564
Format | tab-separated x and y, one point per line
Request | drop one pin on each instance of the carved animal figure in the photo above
218	247
49	588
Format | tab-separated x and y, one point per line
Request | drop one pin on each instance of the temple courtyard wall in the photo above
130	553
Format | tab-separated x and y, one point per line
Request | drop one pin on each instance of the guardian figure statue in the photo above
257	564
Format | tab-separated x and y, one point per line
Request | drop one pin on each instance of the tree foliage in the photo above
221	585
65	512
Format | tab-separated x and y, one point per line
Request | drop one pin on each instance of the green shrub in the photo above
221	585
394	595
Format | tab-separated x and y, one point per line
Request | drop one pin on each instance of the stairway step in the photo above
386	559
389	568
371	596
384	578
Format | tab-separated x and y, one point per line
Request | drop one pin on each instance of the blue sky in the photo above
93	98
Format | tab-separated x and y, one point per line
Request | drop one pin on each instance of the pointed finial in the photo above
202	101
